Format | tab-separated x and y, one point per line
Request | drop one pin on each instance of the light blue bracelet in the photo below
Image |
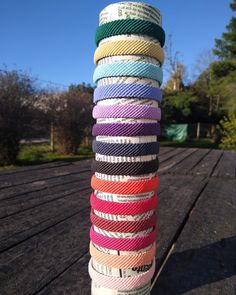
128	69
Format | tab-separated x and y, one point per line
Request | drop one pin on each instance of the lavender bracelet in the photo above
127	111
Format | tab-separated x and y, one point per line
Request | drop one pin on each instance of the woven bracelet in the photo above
124	187
123	244
121	284
128	69
126	149
126	129
123	261
129	208
125	168
128	91
130	26
127	111
129	47
123	226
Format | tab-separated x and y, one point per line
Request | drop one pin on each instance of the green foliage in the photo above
223	86
220	69
225	48
176	107
17	102
228	129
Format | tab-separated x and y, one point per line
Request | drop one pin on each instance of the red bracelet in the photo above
124	187
123	226
129	208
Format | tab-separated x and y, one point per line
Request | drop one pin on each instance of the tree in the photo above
18	96
175	81
225	48
227	127
174	67
203	62
177	106
223	85
71	114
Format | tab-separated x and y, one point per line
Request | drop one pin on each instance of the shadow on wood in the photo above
191	269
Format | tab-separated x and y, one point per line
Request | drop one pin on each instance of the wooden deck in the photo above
44	225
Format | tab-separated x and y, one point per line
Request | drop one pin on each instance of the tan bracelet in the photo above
123	261
129	47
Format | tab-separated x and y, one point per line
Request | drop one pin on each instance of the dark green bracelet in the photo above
130	26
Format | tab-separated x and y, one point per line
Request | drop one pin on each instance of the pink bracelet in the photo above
121	284
129	208
123	244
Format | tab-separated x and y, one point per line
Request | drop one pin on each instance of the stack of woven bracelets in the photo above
128	75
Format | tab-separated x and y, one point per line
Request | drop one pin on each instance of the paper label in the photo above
99	290
126	58
125	120
113	159
122	235
120	273
124	178
125	101
125	217
130	10
129	37
128	80
127	139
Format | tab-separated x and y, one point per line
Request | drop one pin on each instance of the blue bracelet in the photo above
128	69
126	149
127	91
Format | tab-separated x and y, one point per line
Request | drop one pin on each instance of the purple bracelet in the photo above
127	111
126	129
127	91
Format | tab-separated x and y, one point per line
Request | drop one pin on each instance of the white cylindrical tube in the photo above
116	12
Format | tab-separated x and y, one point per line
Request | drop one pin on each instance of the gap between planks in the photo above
177	235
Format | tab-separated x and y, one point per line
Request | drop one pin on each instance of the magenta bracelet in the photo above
127	111
123	244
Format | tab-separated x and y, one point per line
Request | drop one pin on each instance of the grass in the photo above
200	143
35	154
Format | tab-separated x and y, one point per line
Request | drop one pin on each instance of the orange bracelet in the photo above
124	187
123	261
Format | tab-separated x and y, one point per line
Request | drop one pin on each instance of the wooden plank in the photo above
35	217
226	166
204	259
164	150
171	154
174	203
207	165
31	265
18	227
74	281
39	175
168	165
35	186
190	162
34	167
26	201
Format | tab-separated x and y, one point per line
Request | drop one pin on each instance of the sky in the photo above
53	40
